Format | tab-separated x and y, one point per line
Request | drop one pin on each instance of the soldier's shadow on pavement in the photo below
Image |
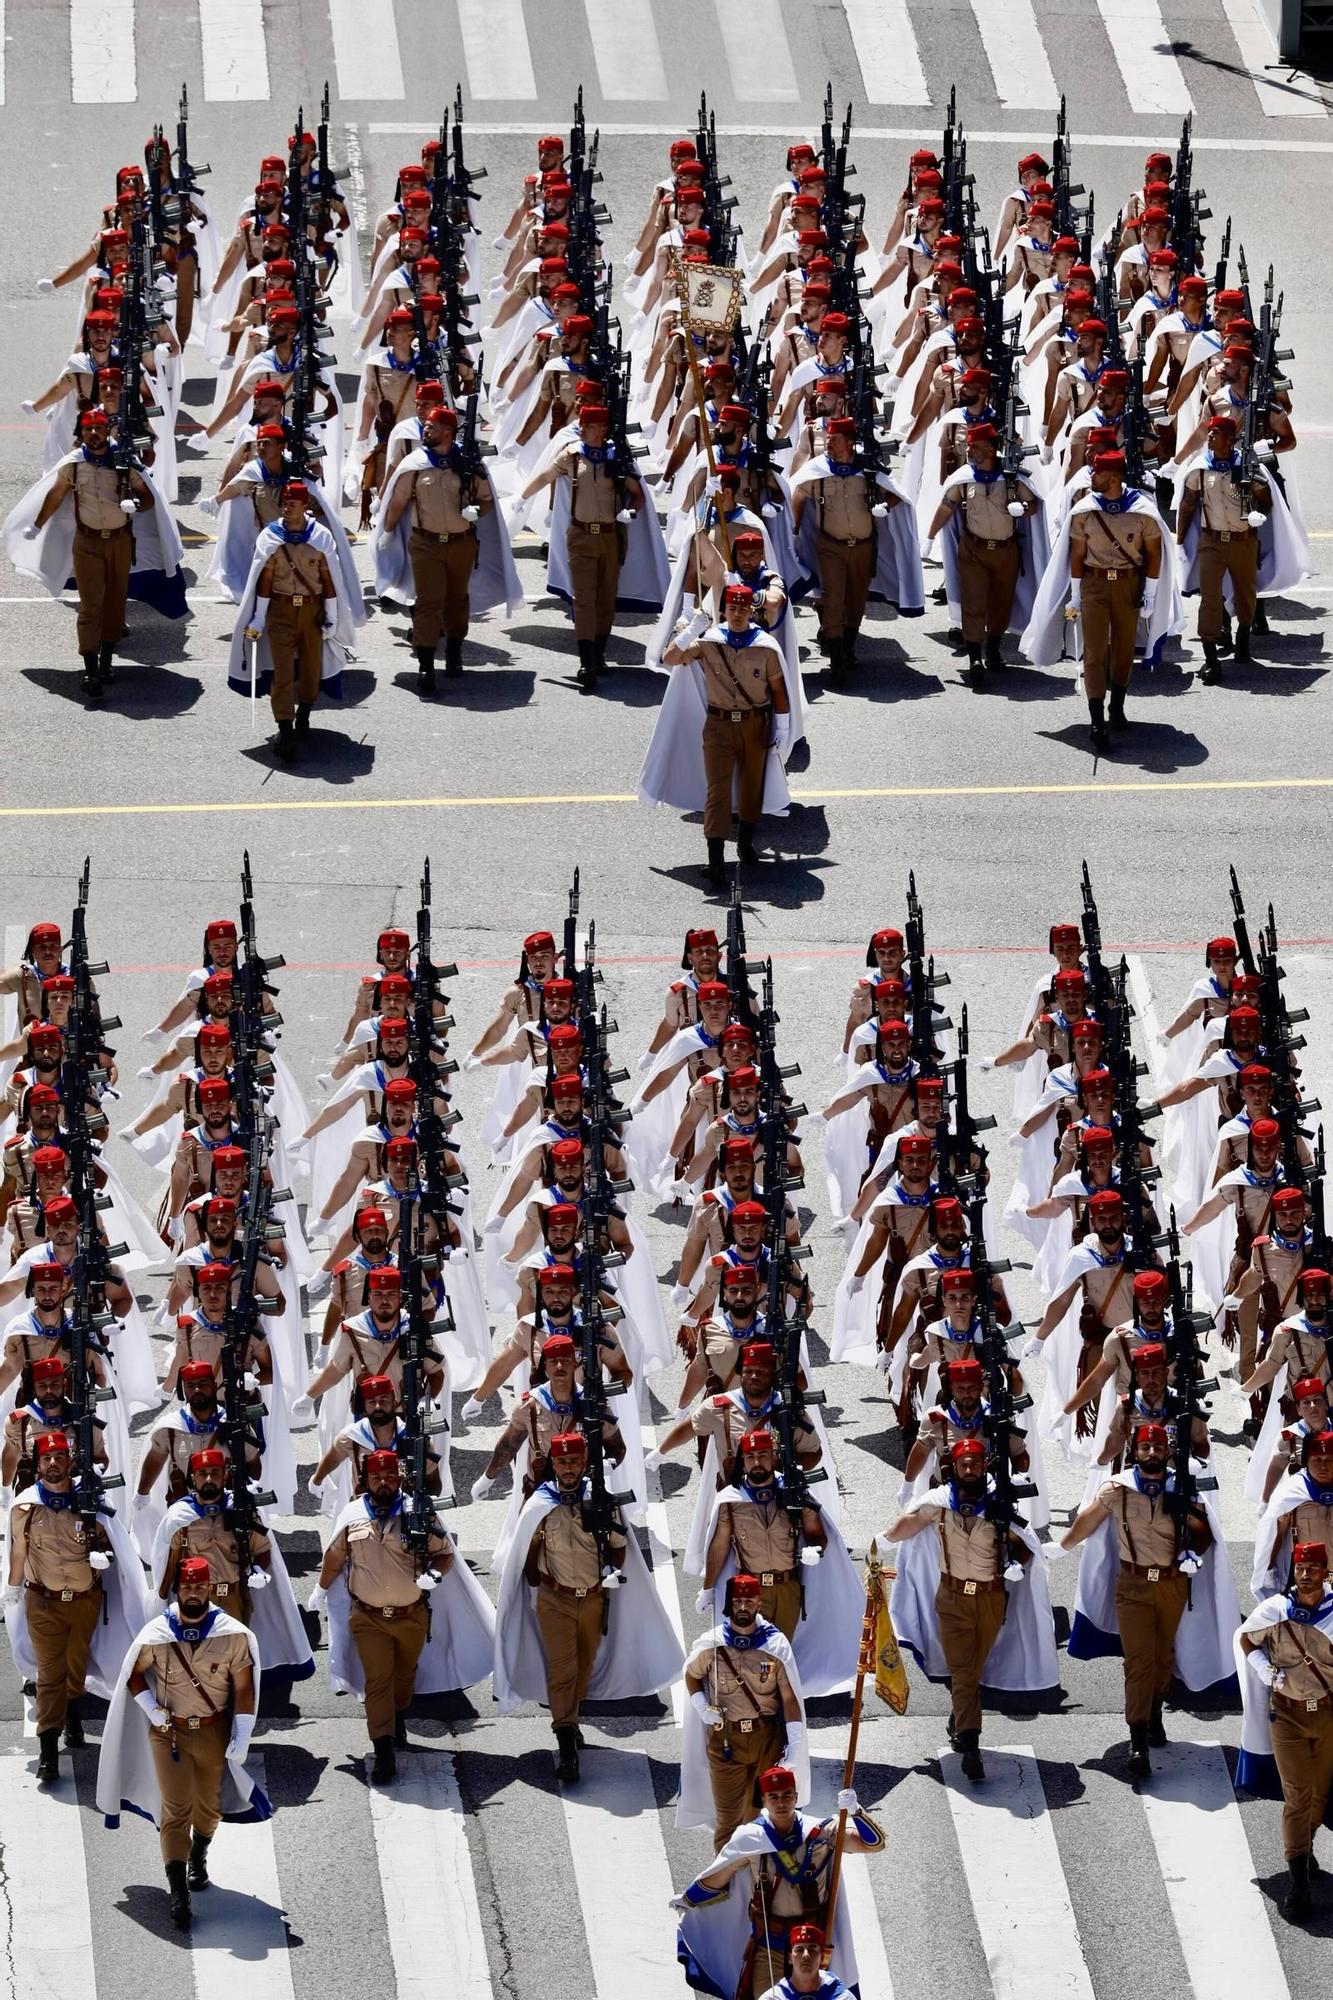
143	692
478	688
327	758
1144	746
243	1922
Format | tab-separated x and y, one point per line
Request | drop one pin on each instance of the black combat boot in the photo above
1224	639
995	653
969	1744
453	658
1117	708
1211	670
1260	624
1156	1726
48	1756
1140	1765
837	662
951	1731
976	667
849	637
197	1867
599	652
587	673
106	665
716	867
284	743
74	1737
1296	1904
179	1888
425	669
302	720
567	1756
1243	655
745	841
385	1767
1101	735
400	1729
92	677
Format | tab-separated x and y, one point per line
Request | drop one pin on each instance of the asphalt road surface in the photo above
1058	1879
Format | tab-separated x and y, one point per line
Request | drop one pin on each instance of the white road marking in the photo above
885	44
239	1940
101	51
2	51
430	1895
1016	54
235	53
365	48
892	135
495	44
757	51
1139	42
1015	1879
50	1943
625	45
1220	1917
624	1881
664	1567
872	1961
1297	96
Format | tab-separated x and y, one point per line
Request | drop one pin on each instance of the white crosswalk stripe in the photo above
615	1838
101	51
235	53
1015	1879
1153	79
365	49
50	1943
626	50
425	1870
757	52
885	44
240	1921
1016	54
495	47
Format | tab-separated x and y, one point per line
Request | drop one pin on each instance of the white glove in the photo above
1149	596
781	732
430	1579
848	1801
242	1729
250	1382
302	1410
176	1230
28	409
653	1460
317	1599
482	1488
1231	1303
883	1361
1256	519
1031	1349
258	1579
98	1559
1263	449
314	1487
470	1410
146	1074
1052	1553
646	1061
810	1555
500	243
856	1283
45	285
12	1594
1270	1675
1075	592
209	506
1162	1039
1189	1564
703	1604
795	1738
260	618
697	625
129	506
677	1903
900	1498
384	541
141	1500
611	1578
703	1708
680	1295
880	511
472	1062
1015	510
814	1122
625	515
30	534
153	1038
494	1224
470	513
712	484
1013	1572
153	1709
1016	1141
768	511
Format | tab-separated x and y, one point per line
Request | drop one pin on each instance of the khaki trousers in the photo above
101	576
190	1783
61	1635
296	641
571	1629
1110	623
734	749
1149	1614
1303	1748
1237	558
780	1603
594	577
734	1763
969	1627
987	580
388	1649
441	573
845	572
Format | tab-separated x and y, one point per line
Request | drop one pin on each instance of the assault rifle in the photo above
433	1125
420	1268
923	980
1003	1406
1188	1387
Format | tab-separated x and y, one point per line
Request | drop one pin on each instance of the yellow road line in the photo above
812	797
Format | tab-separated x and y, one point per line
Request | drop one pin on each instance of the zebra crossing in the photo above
635	54
452	1898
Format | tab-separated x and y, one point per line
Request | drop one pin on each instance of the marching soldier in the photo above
805	1954
1287	1642
197	1525
446	501
1229	523
986	515
742	1683
595	540
761	1537
291	603
105	502
50	1409
56	1559
1115	556
389	1587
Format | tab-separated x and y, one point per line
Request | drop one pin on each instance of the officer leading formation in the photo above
1062	432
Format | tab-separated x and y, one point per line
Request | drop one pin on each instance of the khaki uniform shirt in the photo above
181	1446
380	1568
437	497
1145	1528
1116	541
743	1684
969	1546
566	1553
1305	1655
984	509
593	491
843	510
296	570
55	1548
359	1353
96	495
210	1537
214	1663
1222	503
1304	1352
738	677
1311	1522
761	1535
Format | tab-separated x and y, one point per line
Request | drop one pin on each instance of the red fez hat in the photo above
198	1371
210	1459
376	1385
569	1444
194	1569
52	1441
384	1278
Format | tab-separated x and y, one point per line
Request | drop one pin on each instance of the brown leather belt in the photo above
1111	575
62	1596
450	535
191	1723
769	1577
282	597
739	714
385	1611
104	534
969	1586
594	527
981	542
1296	1705
1230	534
578	1592
1154	1572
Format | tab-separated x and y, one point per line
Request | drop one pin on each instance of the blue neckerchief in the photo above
1216	464
97	458
1125	502
986	478
708	1041
59	1503
204	1512
962	1423
209	1325
843	471
911	1200
969	1509
398	367
1151	1489
1262	1180
284	367
1286	1242
205	1429
1114	1257
738	641
1314	1614
560	1497
895	1075
746	1642
764	1496
270	478
190	1635
558	1409
595	454
1321	1495
367	1326
985	415
445	461
376	1512
295	535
